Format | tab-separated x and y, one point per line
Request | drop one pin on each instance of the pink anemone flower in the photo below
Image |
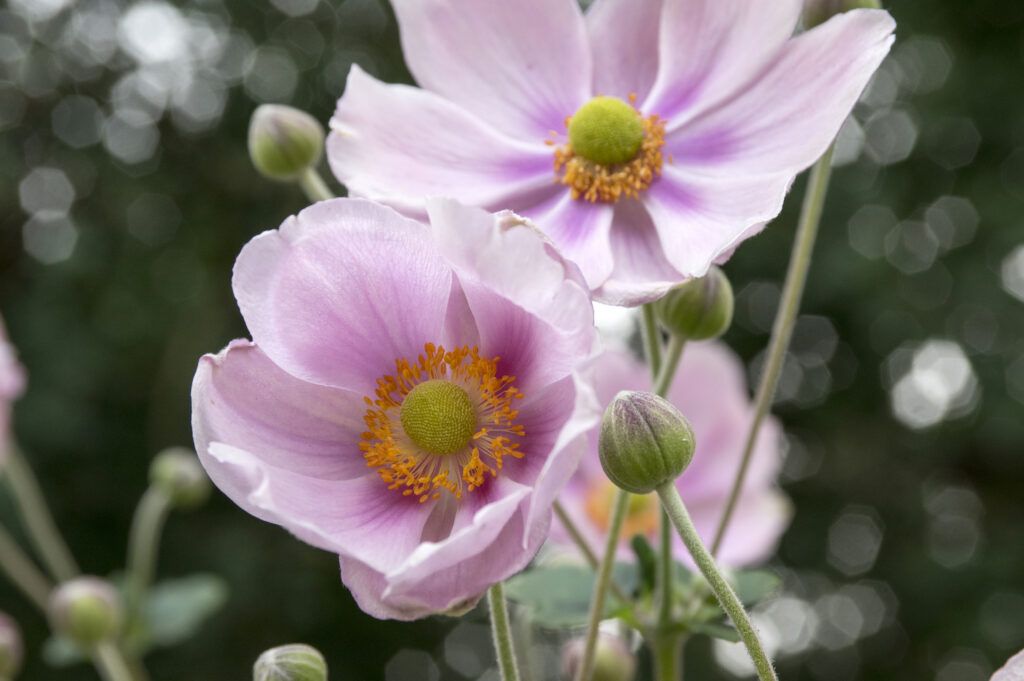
647	138
711	392
12	383
1013	670
410	400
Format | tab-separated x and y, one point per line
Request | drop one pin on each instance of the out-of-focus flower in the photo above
11	647
292	662
711	392
176	471
1013	670
410	400
613	661
647	138
86	610
12	383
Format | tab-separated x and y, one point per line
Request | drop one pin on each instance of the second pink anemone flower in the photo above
12	383
410	398
647	138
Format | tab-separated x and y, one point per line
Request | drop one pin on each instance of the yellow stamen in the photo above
402	460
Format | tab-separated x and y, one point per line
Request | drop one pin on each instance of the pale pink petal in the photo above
241	398
400	144
521	66
341	291
700	217
624	45
754	532
641	273
580	230
786	117
710	48
1013	670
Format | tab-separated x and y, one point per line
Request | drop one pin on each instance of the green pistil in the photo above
607	131
439	417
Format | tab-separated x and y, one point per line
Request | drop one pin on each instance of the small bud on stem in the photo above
284	142
178	473
293	662
699	309
86	610
11	648
613	661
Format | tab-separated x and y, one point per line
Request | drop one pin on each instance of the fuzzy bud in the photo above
613	661
86	610
644	443
284	142
11	648
178	473
819	11
293	662
699	309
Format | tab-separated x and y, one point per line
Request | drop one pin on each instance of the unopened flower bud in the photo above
644	443
613	661
819	11
293	662
699	309
178	473
284	142
86	610
11	648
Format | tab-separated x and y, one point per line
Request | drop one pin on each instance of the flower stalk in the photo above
22	573
110	663
314	186
502	633
143	547
585	549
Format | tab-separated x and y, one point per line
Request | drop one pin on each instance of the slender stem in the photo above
667	657
782	332
665	576
502	632
651	337
42	530
313	185
668	367
144	546
584	546
604	575
111	663
673	504
22	572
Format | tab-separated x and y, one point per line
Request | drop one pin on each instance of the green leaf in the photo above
754	586
647	560
558	596
176	608
61	652
722	631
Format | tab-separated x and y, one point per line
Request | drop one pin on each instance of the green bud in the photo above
644	443
819	11
293	662
613	661
178	473
284	142
699	309
86	610
11	648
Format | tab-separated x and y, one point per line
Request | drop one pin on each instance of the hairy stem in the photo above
502	632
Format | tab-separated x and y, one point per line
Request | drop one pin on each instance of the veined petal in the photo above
641	272
522	66
341	291
580	230
400	144
624	45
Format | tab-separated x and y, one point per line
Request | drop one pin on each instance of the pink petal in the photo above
710	48
341	291
521	66
580	230
624	45
1013	670
786	117
241	398
753	534
641	273
401	144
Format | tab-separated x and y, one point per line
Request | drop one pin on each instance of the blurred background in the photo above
126	192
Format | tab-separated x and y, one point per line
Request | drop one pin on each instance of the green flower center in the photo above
439	417
607	131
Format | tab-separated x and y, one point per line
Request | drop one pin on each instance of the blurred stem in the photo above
42	530
667	657
652	338
111	663
604	574
782	331
584	547
673	505
668	367
143	548
313	185
502	632
22	572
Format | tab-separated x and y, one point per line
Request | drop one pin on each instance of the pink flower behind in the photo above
410	399
704	111
12	383
710	390
1013	670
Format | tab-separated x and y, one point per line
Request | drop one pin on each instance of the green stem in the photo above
604	577
313	185
584	546
143	547
665	576
673	505
668	367
42	530
502	633
782	332
651	338
111	663
667	657
22	572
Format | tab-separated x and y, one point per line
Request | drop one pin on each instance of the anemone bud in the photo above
11	648
644	442
613	661
178	473
284	142
698	309
819	11
292	662
86	610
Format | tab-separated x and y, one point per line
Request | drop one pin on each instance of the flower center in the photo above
443	422
613	151
641	510
438	416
